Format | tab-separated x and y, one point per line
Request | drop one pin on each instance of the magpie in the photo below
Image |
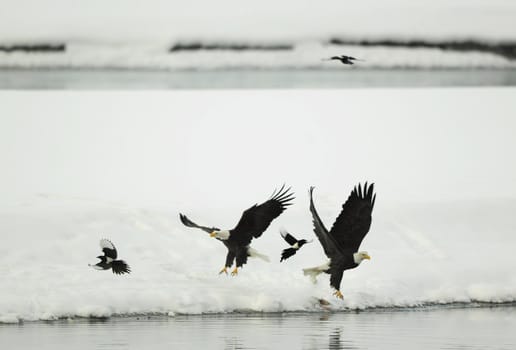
108	260
293	242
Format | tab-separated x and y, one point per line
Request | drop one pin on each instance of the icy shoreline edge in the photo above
425	306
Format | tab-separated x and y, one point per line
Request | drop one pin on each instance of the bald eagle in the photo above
252	224
341	243
107	261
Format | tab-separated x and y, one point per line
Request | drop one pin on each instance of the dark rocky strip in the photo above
505	49
198	46
33	48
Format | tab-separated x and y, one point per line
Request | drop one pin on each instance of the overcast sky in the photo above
158	20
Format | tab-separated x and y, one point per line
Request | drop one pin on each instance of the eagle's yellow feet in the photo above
338	294
224	270
234	272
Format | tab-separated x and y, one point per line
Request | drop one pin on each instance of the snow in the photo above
81	166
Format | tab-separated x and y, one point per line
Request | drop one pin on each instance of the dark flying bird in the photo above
108	260
341	243
252	224
344	59
295	245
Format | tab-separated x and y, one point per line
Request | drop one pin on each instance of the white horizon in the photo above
166	21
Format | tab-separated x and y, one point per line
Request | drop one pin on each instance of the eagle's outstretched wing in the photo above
255	220
330	246
354	220
108	248
190	223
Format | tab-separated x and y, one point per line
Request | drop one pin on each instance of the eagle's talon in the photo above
338	294
224	270
234	272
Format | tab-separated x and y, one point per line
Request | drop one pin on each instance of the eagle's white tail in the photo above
313	272
254	254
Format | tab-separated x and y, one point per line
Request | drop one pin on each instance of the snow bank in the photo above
421	254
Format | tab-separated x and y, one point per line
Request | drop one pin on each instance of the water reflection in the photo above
466	329
337	343
233	343
255	79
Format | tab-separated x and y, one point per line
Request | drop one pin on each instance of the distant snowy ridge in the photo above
506	49
206	55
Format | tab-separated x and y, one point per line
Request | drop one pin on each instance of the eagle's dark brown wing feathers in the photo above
256	220
354	220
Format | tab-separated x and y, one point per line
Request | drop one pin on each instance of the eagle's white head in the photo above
223	234
360	256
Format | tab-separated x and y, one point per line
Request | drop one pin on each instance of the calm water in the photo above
457	328
256	79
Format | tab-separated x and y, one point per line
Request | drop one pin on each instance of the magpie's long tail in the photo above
120	267
287	253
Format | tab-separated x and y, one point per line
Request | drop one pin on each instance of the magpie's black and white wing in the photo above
108	248
291	240
189	223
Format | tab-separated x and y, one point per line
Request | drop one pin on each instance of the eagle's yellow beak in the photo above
366	256
213	234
